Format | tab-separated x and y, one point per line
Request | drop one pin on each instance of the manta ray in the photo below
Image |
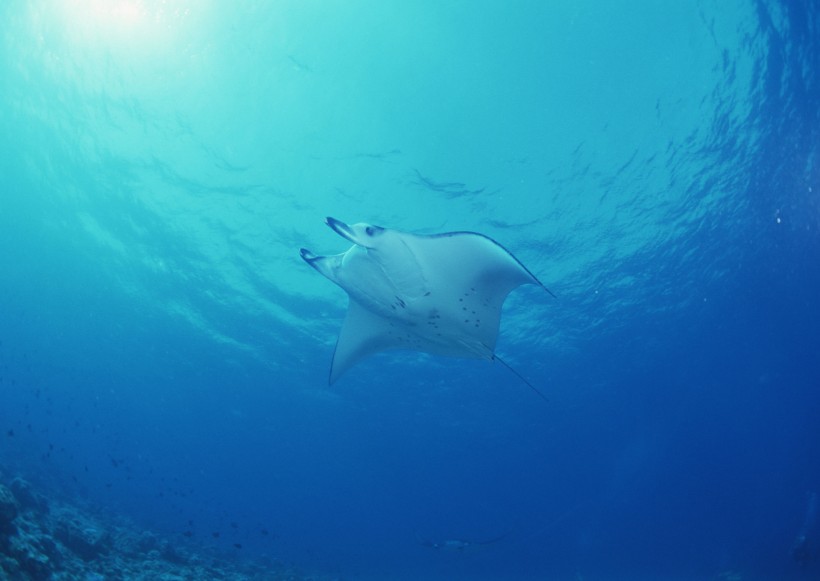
440	294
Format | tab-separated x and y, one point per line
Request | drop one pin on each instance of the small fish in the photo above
459	544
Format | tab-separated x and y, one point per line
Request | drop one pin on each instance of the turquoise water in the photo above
165	350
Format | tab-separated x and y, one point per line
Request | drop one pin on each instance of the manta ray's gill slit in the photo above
403	338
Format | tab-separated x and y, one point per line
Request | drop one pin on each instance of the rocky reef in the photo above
48	539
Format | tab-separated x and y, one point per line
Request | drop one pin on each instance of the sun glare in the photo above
149	24
127	13
100	16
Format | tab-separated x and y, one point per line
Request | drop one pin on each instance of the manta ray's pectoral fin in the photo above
363	333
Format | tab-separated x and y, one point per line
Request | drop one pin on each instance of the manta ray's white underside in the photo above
439	294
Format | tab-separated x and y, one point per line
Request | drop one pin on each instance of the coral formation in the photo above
8	510
56	540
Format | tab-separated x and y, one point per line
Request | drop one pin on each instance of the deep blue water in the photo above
657	164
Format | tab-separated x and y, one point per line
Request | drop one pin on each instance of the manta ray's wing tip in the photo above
307	254
542	285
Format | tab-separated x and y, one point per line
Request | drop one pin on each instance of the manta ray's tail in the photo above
519	376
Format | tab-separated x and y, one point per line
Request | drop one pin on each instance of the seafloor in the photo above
43	537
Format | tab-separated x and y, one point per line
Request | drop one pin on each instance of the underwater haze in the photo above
165	351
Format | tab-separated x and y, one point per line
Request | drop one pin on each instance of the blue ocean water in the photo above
164	350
